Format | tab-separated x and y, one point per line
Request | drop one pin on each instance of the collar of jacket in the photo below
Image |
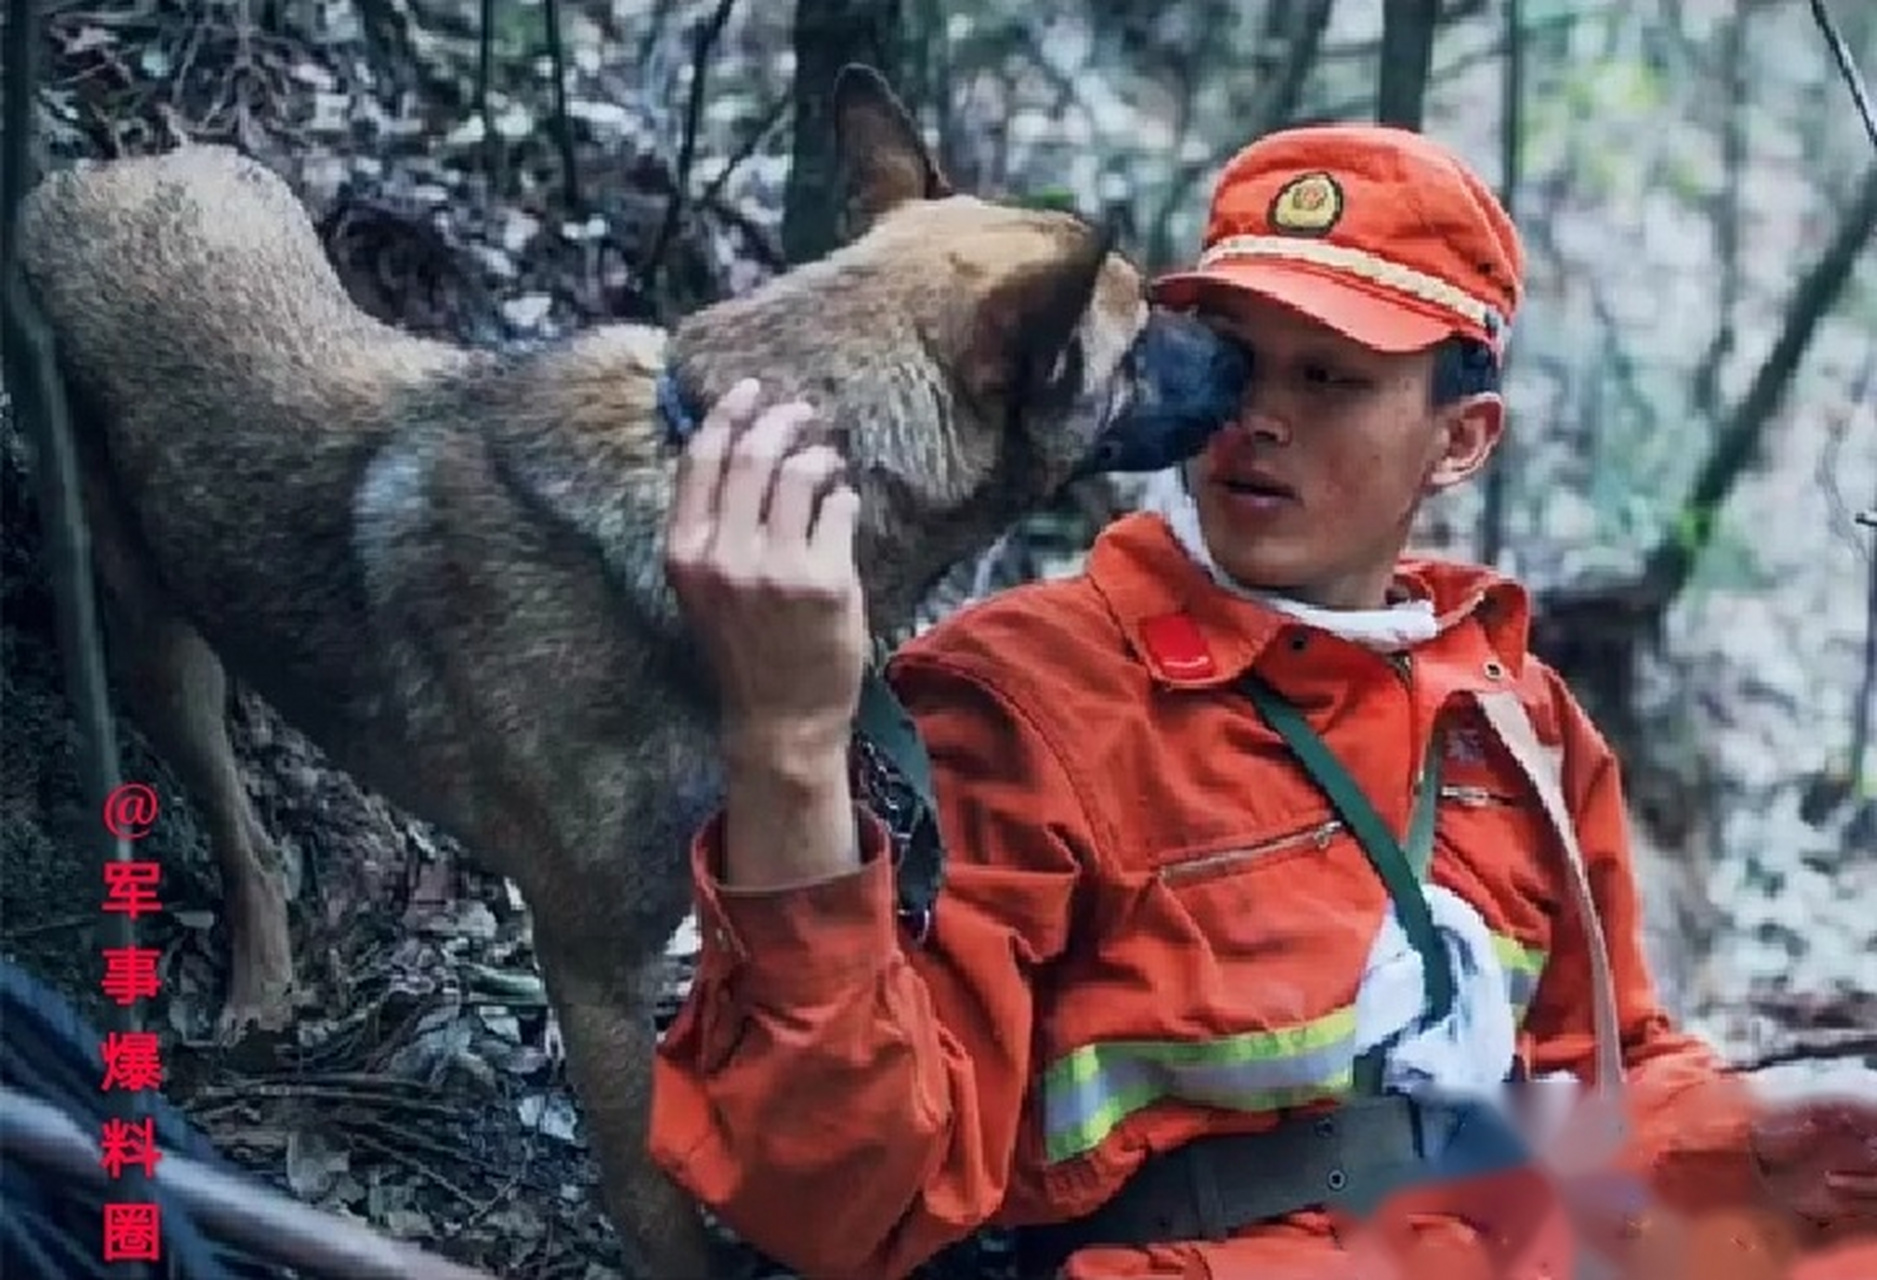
1191	634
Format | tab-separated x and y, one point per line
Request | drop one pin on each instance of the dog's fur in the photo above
444	566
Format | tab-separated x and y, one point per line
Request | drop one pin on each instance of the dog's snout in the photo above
1188	382
1189	359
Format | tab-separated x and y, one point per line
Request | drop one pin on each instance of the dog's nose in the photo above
1188	382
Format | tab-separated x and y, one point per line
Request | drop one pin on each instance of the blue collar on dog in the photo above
680	423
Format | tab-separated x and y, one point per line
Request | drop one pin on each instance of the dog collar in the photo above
679	421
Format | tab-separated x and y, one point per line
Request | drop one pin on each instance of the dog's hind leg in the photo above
181	682
610	1041
178	695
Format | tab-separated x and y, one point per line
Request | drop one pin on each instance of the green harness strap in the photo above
1400	867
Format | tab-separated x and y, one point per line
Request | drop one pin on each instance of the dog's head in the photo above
970	356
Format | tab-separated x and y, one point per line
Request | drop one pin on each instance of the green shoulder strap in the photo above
886	728
1401	869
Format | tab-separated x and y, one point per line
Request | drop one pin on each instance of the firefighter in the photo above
1269	846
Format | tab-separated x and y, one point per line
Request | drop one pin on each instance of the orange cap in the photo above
1377	232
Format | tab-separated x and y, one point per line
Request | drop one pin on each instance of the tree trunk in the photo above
1407	53
828	35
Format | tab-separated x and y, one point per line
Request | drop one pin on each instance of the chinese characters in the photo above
132	1229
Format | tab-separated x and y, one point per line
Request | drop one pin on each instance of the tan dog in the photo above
444	566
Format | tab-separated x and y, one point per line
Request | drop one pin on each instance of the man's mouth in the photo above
1255	485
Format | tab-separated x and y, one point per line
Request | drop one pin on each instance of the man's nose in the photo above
1259	414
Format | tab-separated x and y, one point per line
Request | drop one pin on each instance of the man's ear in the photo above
1470	430
883	160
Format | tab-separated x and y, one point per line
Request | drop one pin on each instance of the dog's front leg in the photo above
605	1010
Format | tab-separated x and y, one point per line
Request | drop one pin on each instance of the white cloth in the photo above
1469	1051
1400	626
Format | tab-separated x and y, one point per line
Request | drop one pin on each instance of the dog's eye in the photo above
1052	383
1071	366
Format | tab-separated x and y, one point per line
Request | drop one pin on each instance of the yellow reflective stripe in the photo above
1523	965
1091	1090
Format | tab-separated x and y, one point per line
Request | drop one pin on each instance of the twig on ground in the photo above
248	1090
416	1166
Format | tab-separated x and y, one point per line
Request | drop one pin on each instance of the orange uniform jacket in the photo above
1153	927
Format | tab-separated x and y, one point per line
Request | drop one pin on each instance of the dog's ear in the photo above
1023	351
883	159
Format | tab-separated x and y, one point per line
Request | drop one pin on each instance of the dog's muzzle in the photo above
1188	383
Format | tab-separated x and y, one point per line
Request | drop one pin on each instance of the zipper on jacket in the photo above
1320	835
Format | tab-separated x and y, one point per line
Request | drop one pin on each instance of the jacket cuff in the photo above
800	941
1695	1135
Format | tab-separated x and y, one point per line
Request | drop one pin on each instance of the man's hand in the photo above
1818	1158
760	552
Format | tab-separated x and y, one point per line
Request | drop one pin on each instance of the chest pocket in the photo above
1283	907
1313	835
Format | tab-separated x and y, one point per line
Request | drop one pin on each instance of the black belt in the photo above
1351	1159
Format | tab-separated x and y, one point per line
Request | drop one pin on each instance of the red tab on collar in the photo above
1175	647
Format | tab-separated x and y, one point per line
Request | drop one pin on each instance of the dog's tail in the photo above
61	252
79	410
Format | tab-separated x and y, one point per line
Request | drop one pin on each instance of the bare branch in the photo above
563	122
1672	562
662	13
1492	50
707	34
1813	1046
1492	516
777	111
1864	704
1866	697
1725	208
485	75
1847	67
